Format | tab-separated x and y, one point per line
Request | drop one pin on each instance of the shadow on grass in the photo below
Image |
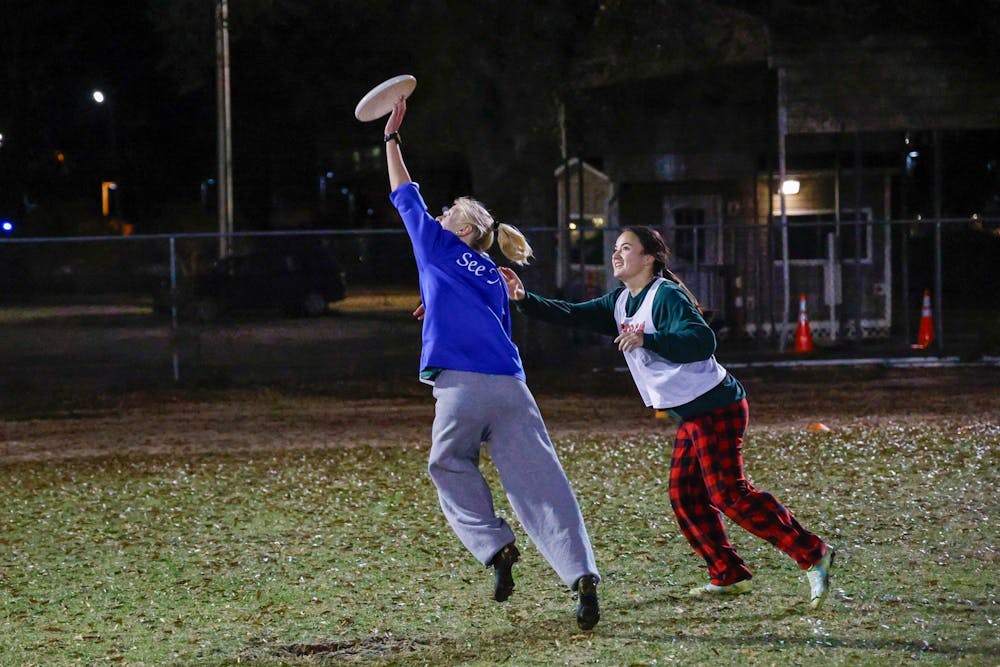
391	648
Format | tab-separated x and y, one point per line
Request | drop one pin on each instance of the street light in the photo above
110	193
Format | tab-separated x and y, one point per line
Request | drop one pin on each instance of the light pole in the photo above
223	126
110	197
102	100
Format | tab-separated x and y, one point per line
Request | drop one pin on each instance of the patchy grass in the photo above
342	557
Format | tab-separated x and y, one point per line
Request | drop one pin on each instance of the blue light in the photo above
7	226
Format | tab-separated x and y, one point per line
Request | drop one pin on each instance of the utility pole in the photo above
223	127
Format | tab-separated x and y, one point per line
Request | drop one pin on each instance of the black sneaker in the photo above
588	612
503	580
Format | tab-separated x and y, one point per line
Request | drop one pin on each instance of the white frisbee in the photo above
379	100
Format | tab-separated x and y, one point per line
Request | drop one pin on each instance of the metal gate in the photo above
692	227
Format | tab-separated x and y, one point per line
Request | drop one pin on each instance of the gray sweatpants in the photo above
499	410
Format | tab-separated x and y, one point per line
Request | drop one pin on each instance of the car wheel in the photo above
207	310
314	304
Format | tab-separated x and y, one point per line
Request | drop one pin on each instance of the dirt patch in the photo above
600	404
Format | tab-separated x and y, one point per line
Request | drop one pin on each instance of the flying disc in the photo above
380	99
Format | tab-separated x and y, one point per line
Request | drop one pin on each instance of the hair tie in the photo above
496	225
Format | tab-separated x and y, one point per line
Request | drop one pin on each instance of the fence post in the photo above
173	309
938	289
905	265
938	208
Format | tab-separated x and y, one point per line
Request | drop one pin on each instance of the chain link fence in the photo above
134	313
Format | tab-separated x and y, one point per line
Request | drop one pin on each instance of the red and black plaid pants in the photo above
706	478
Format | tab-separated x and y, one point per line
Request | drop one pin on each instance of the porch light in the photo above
790	187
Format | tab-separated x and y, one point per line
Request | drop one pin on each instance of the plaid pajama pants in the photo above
706	478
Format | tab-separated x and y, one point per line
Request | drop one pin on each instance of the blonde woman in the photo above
481	395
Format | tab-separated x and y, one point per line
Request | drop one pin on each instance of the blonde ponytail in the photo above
512	243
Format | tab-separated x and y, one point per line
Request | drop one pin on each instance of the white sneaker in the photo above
732	590
819	578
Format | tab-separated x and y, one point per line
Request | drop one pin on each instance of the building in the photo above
779	171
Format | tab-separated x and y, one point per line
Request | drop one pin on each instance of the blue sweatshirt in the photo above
467	323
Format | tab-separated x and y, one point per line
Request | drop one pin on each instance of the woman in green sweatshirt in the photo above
670	350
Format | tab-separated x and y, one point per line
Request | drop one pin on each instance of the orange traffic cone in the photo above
803	336
926	332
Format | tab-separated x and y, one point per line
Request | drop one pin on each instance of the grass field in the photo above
210	550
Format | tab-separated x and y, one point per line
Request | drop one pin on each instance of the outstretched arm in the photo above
594	315
398	174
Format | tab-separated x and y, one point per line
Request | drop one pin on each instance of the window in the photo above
807	234
689	224
592	240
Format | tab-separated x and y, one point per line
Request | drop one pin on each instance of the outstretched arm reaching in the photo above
398	174
594	315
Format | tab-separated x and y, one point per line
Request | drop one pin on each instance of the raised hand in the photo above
396	117
515	288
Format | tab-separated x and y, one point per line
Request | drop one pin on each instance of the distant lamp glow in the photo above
7	226
598	222
106	188
572	225
913	154
790	187
1	138
98	96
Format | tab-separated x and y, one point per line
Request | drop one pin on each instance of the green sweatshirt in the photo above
681	336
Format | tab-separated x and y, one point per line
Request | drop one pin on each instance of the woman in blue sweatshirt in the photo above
670	351
480	393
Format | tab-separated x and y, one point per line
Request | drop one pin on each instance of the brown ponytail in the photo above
653	244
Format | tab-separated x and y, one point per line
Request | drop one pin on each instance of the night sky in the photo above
486	71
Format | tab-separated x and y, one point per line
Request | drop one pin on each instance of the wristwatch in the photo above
394	137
